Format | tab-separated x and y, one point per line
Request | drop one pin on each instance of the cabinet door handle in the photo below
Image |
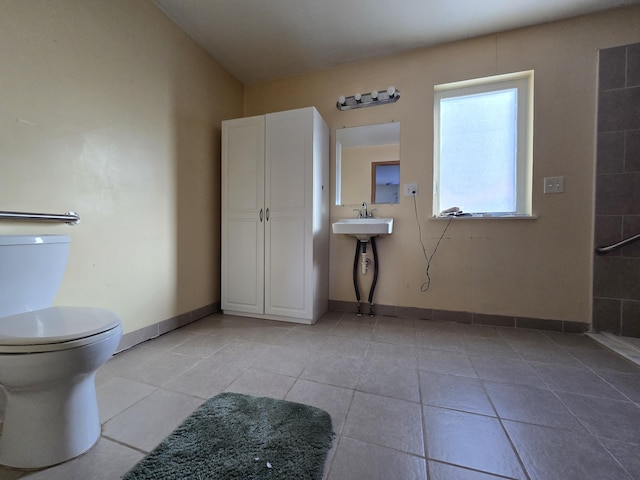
267	214
260	214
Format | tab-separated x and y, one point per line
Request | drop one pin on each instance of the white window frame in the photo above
523	82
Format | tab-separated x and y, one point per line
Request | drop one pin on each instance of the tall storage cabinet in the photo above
275	216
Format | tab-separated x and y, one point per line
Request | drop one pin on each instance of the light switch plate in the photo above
553	184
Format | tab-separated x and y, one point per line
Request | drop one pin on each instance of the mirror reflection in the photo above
368	164
385	182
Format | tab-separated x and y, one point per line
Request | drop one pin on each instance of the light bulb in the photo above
374	94
358	97
341	100
391	91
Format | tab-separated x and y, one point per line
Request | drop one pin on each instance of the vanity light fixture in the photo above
359	100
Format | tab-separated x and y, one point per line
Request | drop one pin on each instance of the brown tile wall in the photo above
616	285
464	317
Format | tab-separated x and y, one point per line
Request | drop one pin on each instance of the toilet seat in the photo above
56	328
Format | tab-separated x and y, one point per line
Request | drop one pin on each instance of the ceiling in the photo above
259	40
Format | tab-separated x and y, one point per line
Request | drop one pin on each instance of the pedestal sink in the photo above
364	228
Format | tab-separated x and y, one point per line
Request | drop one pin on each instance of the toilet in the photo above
48	356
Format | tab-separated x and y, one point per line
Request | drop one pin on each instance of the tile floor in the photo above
410	399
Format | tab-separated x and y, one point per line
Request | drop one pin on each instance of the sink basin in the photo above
363	228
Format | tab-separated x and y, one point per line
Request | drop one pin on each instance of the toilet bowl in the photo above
48	357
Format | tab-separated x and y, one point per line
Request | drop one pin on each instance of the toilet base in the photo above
51	412
44	428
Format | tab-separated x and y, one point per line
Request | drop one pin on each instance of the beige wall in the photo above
107	108
531	268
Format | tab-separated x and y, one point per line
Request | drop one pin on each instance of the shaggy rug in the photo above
241	437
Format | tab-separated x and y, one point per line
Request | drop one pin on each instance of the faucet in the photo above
364	213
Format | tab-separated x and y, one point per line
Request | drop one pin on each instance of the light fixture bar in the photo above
390	95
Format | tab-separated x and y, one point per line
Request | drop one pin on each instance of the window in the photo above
483	145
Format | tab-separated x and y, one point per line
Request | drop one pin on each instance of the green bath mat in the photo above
241	437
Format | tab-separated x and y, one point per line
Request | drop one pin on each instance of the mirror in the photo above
368	164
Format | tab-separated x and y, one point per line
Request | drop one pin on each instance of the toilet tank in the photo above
31	269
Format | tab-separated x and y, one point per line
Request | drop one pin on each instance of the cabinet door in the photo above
243	215
288	199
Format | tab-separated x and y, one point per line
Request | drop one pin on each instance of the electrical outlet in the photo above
553	184
410	189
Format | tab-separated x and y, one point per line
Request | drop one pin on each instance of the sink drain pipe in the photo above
363	245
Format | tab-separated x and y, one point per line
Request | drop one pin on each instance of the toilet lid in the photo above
55	325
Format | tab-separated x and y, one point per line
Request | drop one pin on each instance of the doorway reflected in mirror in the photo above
385	182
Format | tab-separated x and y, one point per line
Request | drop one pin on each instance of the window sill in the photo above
486	216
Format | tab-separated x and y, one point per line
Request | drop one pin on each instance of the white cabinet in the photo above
275	216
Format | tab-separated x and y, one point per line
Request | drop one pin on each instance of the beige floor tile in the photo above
353	331
334	400
273	335
443	471
124	361
145	424
477	331
386	321
440	340
507	370
575	380
357	460
394	334
333	369
284	360
107	460
305	339
441	361
455	392
385	421
390	381
545	353
473	441
262	384
531	405
517	336
169	340
398	355
551	454
240	354
434	326
346	346
206	326
201	345
324	325
118	394
495	347
101	377
206	379
161	370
